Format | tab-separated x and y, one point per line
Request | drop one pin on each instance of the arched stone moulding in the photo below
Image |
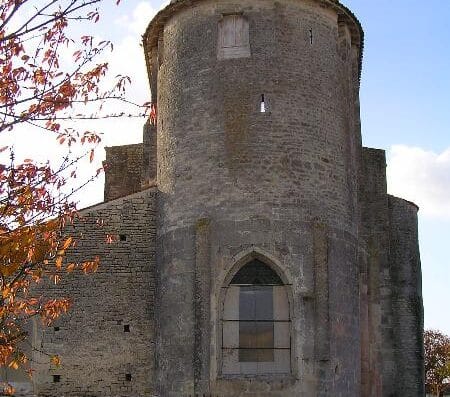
246	256
229	271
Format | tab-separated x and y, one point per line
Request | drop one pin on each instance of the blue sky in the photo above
405	83
405	110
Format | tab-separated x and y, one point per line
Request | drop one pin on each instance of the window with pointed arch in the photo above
256	323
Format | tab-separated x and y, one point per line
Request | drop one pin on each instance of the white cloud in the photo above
137	22
421	176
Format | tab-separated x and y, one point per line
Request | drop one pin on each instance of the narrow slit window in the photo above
263	104
311	36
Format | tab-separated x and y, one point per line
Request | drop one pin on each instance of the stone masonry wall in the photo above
377	359
149	157
407	306
265	182
123	173
106	341
390	288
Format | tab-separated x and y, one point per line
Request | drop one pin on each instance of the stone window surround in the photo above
233	52
241	260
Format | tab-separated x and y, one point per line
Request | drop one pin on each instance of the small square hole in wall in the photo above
128	377
122	237
126	328
56	329
56	378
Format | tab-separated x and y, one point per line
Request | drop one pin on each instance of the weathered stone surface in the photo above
149	145
292	187
407	307
123	173
263	179
377	358
97	350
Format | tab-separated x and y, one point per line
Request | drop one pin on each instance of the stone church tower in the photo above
258	253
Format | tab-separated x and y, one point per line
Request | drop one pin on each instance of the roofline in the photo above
156	25
105	204
410	203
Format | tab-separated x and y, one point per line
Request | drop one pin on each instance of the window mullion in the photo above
262	341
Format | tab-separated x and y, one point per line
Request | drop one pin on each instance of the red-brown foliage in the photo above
40	88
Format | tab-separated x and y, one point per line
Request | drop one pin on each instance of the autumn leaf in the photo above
70	267
56	278
14	364
58	262
55	360
67	243
111	238
8	390
9	270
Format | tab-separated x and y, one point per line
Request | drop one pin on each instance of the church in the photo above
258	253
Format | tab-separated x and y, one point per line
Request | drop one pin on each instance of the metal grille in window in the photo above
256	323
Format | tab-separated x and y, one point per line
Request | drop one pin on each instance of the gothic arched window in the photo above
256	323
